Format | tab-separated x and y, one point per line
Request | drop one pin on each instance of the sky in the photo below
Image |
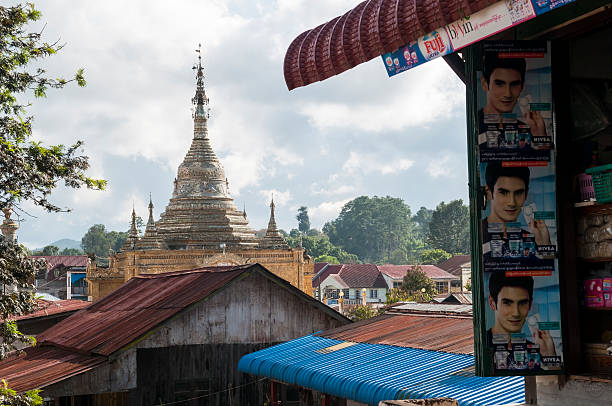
358	133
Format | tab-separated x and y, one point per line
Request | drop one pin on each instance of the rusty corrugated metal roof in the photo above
38	367
48	308
372	28
53	261
428	332
135	308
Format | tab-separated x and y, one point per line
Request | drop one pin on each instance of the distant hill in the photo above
63	243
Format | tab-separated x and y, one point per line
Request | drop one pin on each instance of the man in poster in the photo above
506	191
506	135
511	298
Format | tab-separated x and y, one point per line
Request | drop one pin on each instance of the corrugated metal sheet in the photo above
370	373
138	306
433	308
48	308
453	264
53	261
428	332
38	367
399	271
370	29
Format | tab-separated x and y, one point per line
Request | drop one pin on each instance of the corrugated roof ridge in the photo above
211	269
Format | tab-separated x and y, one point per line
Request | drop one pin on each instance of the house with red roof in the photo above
351	281
461	267
394	275
170	338
64	277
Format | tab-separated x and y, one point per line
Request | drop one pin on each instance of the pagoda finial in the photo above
201	113
150	221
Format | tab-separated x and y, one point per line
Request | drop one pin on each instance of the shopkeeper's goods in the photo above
602	182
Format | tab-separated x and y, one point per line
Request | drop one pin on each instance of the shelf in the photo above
597	309
595	208
595	260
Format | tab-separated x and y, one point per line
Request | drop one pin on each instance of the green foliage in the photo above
327	258
50	250
435	256
16	274
10	397
361	312
98	241
321	246
303	220
421	220
71	251
449	228
398	295
372	228
416	283
29	171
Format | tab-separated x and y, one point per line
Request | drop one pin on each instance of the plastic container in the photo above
593	289
587	192
602	182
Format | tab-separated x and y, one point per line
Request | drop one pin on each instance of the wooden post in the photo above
531	392
325	400
273	393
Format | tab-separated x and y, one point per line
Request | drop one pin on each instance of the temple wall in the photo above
288	264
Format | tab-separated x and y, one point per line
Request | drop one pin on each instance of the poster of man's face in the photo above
518	226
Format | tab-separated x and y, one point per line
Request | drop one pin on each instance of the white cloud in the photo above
326	211
280	198
444	165
414	101
369	163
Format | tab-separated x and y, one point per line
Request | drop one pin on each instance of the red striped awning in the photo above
372	28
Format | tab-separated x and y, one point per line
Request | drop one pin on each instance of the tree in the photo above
371	228
116	239
320	246
449	228
417	283
29	170
71	251
50	250
303	220
433	257
421	220
361	312
95	241
327	258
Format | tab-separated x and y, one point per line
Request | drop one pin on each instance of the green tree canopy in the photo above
421	219
29	170
71	251
50	250
361	312
327	258
449	229
321	246
433	257
303	220
98	241
416	282
371	228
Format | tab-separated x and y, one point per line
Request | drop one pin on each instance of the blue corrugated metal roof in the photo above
370	373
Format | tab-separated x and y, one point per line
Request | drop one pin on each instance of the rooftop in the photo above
399	271
453	264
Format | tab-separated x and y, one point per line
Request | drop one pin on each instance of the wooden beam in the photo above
456	64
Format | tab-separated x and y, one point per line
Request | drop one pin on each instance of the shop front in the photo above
538	78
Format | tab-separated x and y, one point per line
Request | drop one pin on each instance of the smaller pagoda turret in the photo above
132	238
273	237
150	240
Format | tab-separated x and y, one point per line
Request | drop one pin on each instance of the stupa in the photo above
201	225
